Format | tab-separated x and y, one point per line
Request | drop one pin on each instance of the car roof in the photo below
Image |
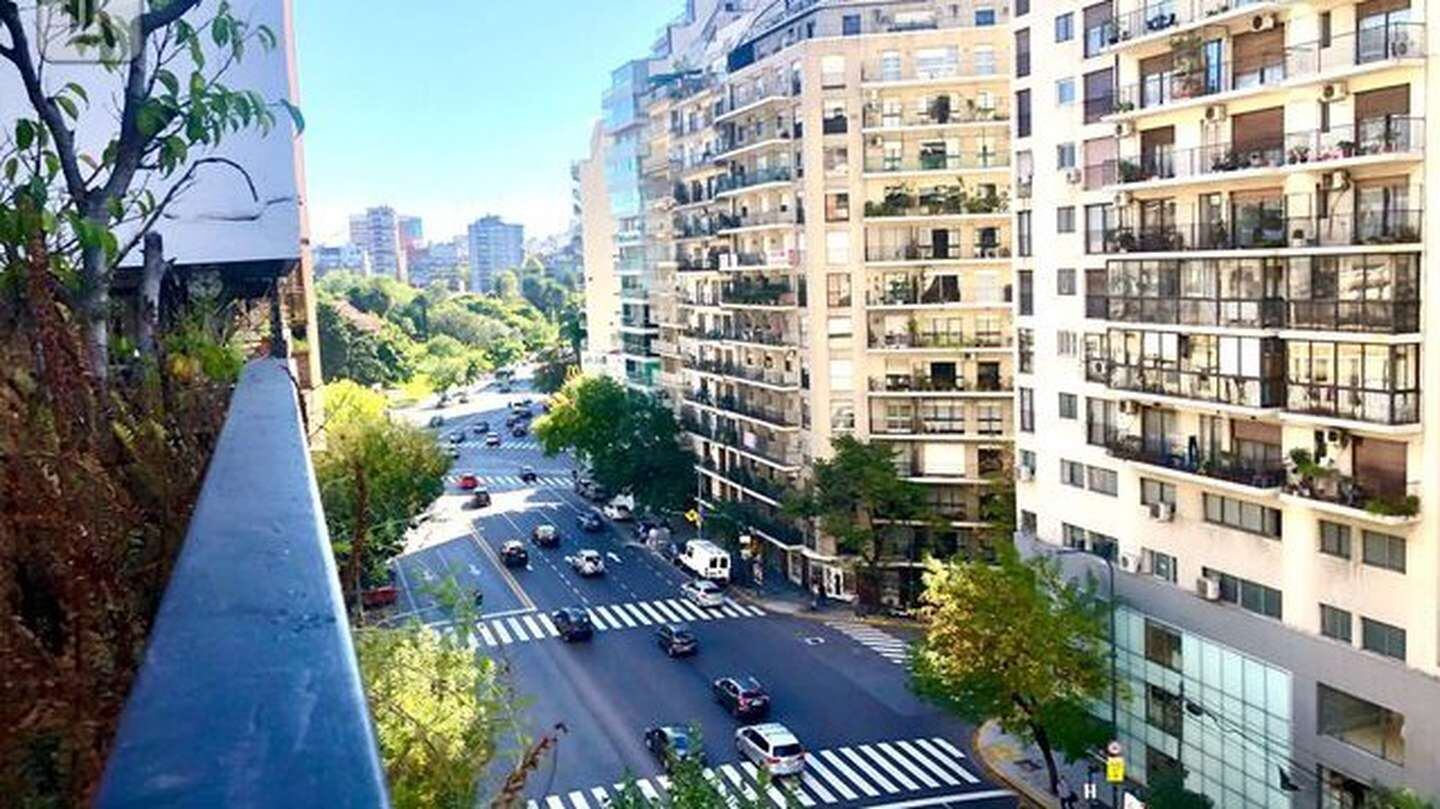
514	543
775	733
678	626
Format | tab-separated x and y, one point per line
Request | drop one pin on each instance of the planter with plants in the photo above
1309	478
1385	506
1298	154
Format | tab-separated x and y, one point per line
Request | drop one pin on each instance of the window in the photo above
1065	156
1072	473
837	289
1335	623
1022	114
1161	565
1065	284
1162	710
837	246
1072	536
1022	7
1022	234
984	16
1249	595
1025	350
1243	516
1097	225
1029	523
1357	722
1335	539
1156	491
1067	406
1066	343
1027	291
1027	460
832	71
1065	219
1382	638
1064	27
1383	550
1022	53
1104	481
1065	92
837	207
1027	410
850	25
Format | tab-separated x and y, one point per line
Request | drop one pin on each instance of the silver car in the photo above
772	747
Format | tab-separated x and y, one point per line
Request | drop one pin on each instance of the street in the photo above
834	683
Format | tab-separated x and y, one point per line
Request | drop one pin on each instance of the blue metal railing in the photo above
249	694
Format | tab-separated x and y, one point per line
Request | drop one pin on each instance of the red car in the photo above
469	481
380	596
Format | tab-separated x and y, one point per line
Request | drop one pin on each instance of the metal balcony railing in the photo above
919	251
737	182
1260	474
1374	405
937	114
1233	389
1269	230
1155	16
960	161
249	692
937	339
919	383
768	376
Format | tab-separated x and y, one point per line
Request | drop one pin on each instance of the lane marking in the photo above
812	762
844	769
909	766
959	797
534	627
770	789
868	752
880	780
953	765
578	799
815	786
595	621
654	614
922	759
505	576
516	628
500	632
663	609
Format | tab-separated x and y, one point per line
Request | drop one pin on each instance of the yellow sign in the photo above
1115	769
692	516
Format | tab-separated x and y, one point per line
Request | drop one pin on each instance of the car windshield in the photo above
679	742
751	687
785	750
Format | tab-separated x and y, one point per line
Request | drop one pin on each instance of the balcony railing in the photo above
1154	17
742	335
937	339
1373	405
759	293
688	263
768	376
770	415
772	489
1371	317
1181	458
1231	389
772	450
759	218
1269	231
249	691
1266	313
919	383
920	294
916	251
742	96
737	182
960	161
937	114
1358	493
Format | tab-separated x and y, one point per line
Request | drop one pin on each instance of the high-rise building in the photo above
597	242
1220	253
377	232
494	247
330	258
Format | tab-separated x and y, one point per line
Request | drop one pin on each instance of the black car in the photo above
481	427
480	499
590	522
573	623
676	640
457	437
742	696
527	474
672	743
519	431
513	554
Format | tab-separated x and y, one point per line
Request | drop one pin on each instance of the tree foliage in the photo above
1017	642
690	788
369	358
1167	791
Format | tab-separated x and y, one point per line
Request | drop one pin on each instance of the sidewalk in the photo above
1021	767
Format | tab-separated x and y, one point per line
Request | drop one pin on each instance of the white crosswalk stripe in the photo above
882	643
504	630
928	770
508	481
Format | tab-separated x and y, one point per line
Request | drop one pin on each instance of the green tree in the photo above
572	324
1167	791
507	285
348	352
857	496
1017	642
690	788
374	475
1382	797
556	367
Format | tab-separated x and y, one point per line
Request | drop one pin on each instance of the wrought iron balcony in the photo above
1272	230
1169	454
957	161
739	182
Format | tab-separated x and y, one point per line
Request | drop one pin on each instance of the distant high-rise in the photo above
494	246
377	232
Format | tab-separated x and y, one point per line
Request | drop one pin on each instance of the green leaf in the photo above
68	106
151	118
11	166
78	91
166	78
295	115
115	208
24	134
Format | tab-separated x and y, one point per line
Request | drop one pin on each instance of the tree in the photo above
374	475
572	324
690	788
556	367
1382	797
858	497
166	121
507	285
1167	791
1017	642
366	357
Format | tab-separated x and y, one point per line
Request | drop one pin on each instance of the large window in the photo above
1022	53
1027	292
1241	515
1072	473
1163	646
1064	27
1334	539
1336	623
1384	550
1023	234
1382	638
1103	481
1375	729
1156	491
1068	406
1162	709
1361	381
1022	114
1250	595
1027	410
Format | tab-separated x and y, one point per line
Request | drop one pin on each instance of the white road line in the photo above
577	798
531	805
884	764
812	761
655	615
916	754
649	791
665	610
602	613
816	787
500	632
640	617
909	766
548	624
554	802
734	776
625	616
485	635
752	609
775	794
947	747
729	611
880	780
686	609
517	629
951	763
844	769
534	627
959	797
601	796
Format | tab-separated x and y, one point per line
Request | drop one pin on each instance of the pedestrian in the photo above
1068	798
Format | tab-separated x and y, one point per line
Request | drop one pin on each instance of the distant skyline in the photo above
460	109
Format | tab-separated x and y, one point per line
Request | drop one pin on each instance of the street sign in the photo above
692	516
1115	769
1113	748
1090	791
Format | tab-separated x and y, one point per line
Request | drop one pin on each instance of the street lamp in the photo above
1114	644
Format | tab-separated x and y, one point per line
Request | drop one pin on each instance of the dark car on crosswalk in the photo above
743	696
573	623
519	431
481	427
528	474
590	522
671	744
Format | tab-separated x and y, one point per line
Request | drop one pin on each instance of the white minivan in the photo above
706	560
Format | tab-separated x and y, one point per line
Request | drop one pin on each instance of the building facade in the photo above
377	232
331	258
1219	278
495	246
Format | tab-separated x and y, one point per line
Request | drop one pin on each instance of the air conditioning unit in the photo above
1131	563
1162	512
1129	407
1122	199
1215	113
1208	588
1025	474
1333	91
1073	176
1339	180
877	141
1124	129
1262	22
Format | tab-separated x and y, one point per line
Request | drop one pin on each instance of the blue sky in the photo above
451	109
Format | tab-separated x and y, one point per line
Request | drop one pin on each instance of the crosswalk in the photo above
505	630
512	480
883	643
858	774
528	444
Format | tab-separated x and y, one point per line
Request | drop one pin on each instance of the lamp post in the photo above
1114	644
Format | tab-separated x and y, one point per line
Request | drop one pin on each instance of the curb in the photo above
1029	795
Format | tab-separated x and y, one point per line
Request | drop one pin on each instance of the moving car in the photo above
464	398
545	536
676	639
573	623
492	440
457	436
519	431
742	696
772	747
437	421
703	593
617	512
481	427
513	554
587	562
527	474
672	743
469	482
480	499
454	453
590	522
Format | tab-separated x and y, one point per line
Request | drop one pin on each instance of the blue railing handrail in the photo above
249	693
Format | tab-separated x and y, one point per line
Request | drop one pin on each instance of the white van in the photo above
706	560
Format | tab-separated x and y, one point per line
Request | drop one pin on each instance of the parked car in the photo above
703	593
545	536
590	522
618	513
706	560
513	554
437	421
492	440
671	744
454	453
469	482
771	747
573	623
380	596
676	639
528	475
480	499
464	398
587	562
742	696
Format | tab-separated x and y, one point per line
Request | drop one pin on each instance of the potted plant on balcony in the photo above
940	109
1309	478
1130	171
1123	106
1384	506
1346	147
1298	154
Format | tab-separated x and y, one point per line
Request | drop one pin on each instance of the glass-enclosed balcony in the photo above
894	113
937	243
1354	381
763	292
734	183
1224	369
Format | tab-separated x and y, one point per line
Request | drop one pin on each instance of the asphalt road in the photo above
835	684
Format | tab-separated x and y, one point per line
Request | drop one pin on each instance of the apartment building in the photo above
377	232
495	246
1220	247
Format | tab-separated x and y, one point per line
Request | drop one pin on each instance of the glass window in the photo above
837	289
1335	623
1065	281
1156	491
1162	710
1067	406
1072	473
1022	53
1022	114
1065	92
985	16
1161	565
1064	27
1335	539
1027	410
1363	724
837	246
1066	343
1065	156
1026	279
1384	550
1065	219
1022	234
1250	517
850	25
1163	645
1104	481
1382	638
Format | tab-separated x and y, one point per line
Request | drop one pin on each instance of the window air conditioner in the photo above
1208	588
1334	91
1262	22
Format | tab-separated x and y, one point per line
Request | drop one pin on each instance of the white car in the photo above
703	592
616	512
772	747
587	562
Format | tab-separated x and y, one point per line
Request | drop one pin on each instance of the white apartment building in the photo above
377	232
1221	310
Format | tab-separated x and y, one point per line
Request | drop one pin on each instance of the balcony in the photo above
771	377
1390	502
773	294
766	487
1172	455
249	691
1228	389
961	161
938	114
1270	229
771	416
729	223
1395	40
923	252
736	183
1399	406
755	446
940	291
747	335
950	71
1156	16
834	125
931	340
746	98
688	263
1243	313
921	384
